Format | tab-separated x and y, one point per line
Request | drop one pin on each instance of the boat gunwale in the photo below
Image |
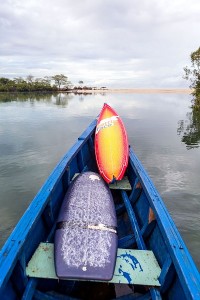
179	253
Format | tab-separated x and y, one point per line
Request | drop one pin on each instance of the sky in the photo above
112	43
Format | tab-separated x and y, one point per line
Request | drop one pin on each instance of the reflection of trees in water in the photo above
81	97
189	129
63	99
24	97
58	99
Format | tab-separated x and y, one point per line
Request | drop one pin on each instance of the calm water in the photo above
36	131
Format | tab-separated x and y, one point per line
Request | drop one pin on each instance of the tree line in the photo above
192	74
190	129
32	84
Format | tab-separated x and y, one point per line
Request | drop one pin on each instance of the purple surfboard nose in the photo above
86	237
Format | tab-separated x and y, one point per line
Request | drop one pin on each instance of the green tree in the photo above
30	78
20	84
47	79
60	79
190	128
7	85
4	80
193	74
19	80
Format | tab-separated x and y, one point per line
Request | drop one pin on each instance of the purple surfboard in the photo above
86	237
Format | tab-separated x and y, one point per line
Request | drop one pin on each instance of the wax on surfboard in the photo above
86	236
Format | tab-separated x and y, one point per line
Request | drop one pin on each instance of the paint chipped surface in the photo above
89	202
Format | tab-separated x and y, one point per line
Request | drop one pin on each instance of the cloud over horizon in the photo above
128	43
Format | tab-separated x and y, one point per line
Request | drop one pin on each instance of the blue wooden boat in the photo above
144	228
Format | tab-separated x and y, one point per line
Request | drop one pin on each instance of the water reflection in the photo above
24	97
61	99
189	129
37	129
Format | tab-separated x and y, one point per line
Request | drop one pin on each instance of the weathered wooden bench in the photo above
132	266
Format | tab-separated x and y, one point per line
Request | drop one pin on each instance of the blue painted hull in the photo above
143	223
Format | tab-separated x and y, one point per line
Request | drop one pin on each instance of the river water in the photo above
36	131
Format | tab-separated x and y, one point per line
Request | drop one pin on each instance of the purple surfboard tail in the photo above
86	237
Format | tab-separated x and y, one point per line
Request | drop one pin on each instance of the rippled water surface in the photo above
36	131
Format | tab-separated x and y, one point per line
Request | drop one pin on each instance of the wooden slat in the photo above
167	274
132	266
136	191
30	289
127	241
80	160
148	228
133	221
123	184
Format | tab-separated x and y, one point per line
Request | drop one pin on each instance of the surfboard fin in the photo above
113	180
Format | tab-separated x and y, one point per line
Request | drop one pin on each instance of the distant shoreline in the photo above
112	91
135	91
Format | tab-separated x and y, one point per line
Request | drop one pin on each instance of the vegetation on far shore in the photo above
29	84
54	83
190	129
193	75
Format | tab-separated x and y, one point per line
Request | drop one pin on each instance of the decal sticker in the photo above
105	123
94	177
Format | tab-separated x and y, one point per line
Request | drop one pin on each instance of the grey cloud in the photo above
132	43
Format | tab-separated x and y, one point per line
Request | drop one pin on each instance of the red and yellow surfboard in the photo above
111	145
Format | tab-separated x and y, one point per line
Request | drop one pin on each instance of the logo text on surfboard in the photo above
107	122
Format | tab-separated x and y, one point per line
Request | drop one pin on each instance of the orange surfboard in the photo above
111	145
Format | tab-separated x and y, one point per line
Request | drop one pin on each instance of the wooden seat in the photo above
132	266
